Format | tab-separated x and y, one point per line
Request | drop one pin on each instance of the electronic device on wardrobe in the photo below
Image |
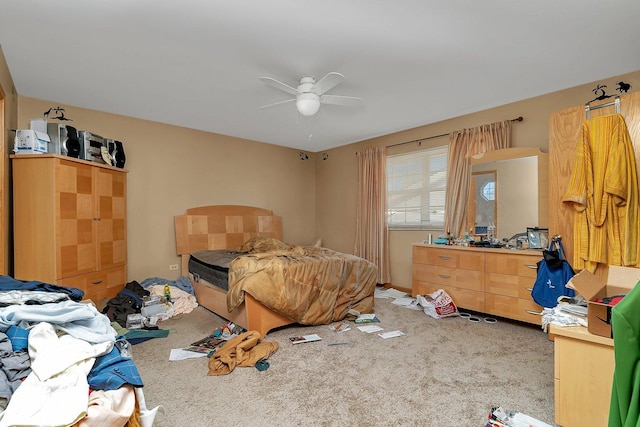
57	136
118	154
72	145
92	146
116	151
63	140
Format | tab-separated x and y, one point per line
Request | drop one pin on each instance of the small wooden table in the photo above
583	373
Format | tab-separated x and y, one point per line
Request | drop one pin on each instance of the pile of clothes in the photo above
62	363
131	300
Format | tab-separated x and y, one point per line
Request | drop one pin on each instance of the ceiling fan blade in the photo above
279	85
327	83
278	103
340	100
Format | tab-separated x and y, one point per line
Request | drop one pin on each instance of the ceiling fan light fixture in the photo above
308	103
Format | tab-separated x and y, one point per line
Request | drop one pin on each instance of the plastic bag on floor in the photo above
438	304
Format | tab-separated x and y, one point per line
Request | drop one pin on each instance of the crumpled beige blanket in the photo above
309	285
244	350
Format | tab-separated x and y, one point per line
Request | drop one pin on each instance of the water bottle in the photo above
167	293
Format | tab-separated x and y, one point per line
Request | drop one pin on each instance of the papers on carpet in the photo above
370	328
391	334
340	327
305	338
408	302
381	292
182	354
367	318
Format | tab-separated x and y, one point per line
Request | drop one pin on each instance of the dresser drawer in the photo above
450	257
420	255
470	260
512	286
513	264
98	285
440	257
463	298
513	308
461	278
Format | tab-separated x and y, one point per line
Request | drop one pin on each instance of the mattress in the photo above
212	266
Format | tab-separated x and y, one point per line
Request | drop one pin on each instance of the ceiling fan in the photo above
310	94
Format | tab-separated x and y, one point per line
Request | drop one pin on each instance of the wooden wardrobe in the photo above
564	131
70	224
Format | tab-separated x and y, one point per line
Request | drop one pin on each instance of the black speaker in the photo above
119	155
72	145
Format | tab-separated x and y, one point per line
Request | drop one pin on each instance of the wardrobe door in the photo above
564	131
76	241
110	193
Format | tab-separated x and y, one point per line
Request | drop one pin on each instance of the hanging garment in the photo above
603	189
624	409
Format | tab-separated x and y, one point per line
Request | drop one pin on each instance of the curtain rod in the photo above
419	141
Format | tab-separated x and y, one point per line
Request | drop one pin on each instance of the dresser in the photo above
70	224
487	280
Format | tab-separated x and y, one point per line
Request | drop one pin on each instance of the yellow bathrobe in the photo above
603	189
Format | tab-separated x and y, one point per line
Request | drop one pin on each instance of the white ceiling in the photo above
198	63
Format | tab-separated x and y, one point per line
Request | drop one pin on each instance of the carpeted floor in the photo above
443	372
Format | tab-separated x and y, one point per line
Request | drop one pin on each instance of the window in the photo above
416	184
489	191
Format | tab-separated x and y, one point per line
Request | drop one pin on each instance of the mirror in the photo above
508	192
482	210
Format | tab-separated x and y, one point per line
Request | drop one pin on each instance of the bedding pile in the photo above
61	363
310	285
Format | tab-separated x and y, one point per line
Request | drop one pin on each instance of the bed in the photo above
273	284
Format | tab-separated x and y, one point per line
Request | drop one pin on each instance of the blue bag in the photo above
554	271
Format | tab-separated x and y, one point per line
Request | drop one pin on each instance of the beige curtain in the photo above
462	145
372	233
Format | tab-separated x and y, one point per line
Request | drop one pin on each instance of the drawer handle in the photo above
96	282
528	289
444	276
446	258
533	312
531	266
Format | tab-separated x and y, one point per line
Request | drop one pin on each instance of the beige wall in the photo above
336	176
172	169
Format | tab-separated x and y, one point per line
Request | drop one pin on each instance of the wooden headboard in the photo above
223	226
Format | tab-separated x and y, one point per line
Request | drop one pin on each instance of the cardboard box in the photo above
29	141
620	280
